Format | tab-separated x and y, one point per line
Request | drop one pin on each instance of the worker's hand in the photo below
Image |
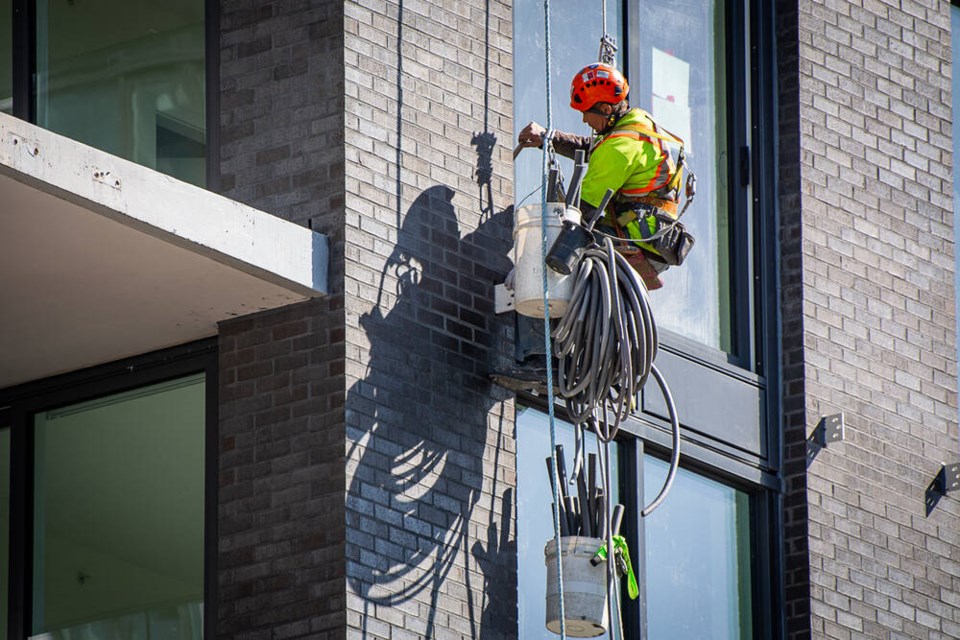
531	135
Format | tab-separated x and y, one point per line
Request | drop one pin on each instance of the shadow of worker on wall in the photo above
421	425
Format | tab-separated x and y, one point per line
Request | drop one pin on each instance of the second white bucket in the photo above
584	588
528	260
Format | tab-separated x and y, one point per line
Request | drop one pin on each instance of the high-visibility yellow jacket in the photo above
639	161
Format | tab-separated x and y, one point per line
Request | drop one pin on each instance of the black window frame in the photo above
24	24
710	377
19	404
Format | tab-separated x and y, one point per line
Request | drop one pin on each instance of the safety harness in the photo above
649	215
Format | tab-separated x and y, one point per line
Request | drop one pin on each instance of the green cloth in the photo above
620	544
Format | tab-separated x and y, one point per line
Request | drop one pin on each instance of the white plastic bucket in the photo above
584	588
528	258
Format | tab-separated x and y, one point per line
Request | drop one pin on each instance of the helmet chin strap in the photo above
618	111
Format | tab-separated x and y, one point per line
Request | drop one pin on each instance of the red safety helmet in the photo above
595	83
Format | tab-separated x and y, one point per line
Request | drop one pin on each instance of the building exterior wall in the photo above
281	113
796	577
430	444
281	567
868	264
281	468
367	464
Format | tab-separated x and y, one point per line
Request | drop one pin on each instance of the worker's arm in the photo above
564	143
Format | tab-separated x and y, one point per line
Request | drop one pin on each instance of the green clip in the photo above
620	546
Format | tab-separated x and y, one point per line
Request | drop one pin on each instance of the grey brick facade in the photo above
367	467
869	326
281	561
281	521
430	454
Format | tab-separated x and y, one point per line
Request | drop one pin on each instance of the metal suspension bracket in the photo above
608	49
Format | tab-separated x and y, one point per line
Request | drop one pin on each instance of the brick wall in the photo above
281	519
281	112
796	552
281	522
878	326
431	458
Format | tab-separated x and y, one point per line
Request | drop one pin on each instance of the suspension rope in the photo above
608	46
547	145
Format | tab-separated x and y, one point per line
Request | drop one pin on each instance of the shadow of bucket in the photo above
584	588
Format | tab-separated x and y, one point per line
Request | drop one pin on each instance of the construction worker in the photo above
639	161
643	165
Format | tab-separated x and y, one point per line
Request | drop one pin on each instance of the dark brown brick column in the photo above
281	524
796	552
282	466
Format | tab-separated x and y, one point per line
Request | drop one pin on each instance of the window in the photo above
4	527
682	82
108	500
706	70
118	515
6	56
574	44
125	77
535	513
697	558
696	569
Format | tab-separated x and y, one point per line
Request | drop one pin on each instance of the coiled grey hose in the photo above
606	343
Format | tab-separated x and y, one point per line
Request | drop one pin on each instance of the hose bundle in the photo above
606	343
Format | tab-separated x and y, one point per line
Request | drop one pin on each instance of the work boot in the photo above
530	376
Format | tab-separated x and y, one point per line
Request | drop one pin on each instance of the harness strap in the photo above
673	170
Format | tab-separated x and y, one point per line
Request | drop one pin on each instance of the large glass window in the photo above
4	527
682	82
698	579
118	516
6	56
535	512
575	43
126	76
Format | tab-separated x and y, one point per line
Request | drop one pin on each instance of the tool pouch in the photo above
675	243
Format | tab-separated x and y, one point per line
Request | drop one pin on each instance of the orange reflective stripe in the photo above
650	132
657	181
625	134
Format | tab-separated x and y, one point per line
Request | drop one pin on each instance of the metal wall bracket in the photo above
830	429
949	478
946	481
502	299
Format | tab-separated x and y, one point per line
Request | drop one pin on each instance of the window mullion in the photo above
24	58
631	492
21	515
